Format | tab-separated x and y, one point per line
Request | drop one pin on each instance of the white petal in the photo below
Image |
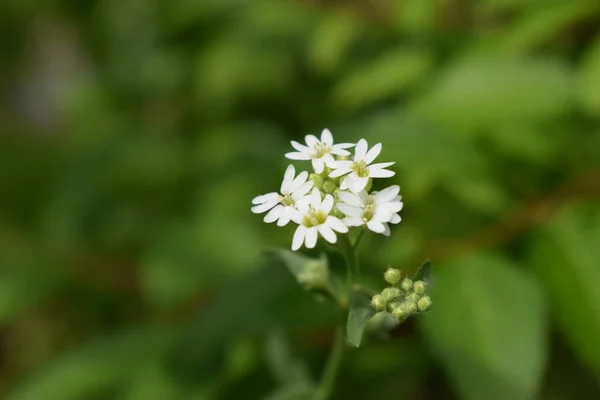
311	237
329	160
327	233
318	165
359	184
283	220
303	204
261	208
387	194
296	183
382	214
381	173
387	231
311	141
302	190
361	150
263	198
343	145
288	178
381	165
353	221
394	206
350	198
315	199
395	219
344	184
339	151
327	137
274	214
375	226
294	215
297	156
343	164
339	172
301	148
336	224
298	237
373	153
327	204
350	211
364	197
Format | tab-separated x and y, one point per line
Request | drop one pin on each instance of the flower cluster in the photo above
403	298
336	196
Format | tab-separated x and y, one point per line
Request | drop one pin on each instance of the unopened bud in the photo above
317	180
329	186
392	276
406	284
413	297
424	303
420	287
378	302
399	312
391	293
314	276
410	306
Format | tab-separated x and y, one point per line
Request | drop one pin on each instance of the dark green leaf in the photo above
424	272
488	327
360	312
565	257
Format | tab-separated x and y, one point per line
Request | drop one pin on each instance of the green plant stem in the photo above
336	354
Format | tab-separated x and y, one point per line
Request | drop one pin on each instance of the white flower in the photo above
321	152
360	170
375	210
292	190
312	217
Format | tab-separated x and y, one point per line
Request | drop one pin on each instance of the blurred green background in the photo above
136	132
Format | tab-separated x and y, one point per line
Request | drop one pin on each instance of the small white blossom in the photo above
375	210
361	170
312	217
321	152
292	190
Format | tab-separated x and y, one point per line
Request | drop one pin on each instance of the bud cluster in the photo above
403	298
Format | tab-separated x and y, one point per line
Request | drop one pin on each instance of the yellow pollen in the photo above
360	168
314	218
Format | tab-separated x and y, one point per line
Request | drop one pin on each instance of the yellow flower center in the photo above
314	218
320	150
360	168
287	200
369	210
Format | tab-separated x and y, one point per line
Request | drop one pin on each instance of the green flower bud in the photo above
411	307
424	303
329	186
378	302
406	284
314	276
400	312
391	293
413	297
317	180
392	276
420	287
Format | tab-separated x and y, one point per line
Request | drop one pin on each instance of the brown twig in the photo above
531	213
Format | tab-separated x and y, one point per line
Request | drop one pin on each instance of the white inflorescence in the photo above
351	204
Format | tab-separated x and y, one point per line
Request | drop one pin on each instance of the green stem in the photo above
336	354
334	362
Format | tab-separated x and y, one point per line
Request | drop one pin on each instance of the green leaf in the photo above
291	374
382	78
545	23
565	257
482	93
589	79
489	328
424	272
100	365
360	312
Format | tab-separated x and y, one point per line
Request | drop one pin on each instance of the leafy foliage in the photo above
135	134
